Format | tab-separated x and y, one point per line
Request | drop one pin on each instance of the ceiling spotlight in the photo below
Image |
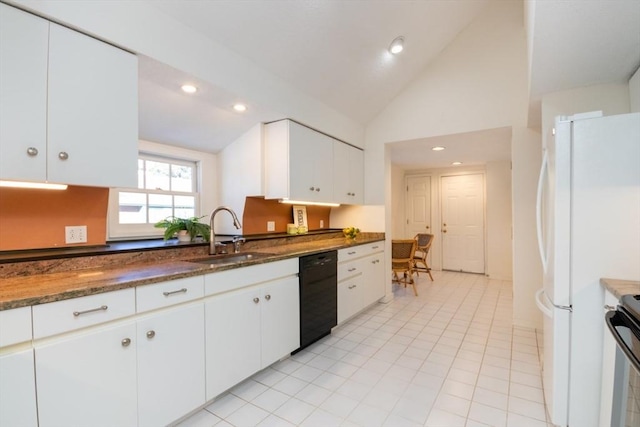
397	45
456	163
240	108
438	148
189	88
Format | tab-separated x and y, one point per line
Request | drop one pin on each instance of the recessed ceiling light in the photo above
240	107
438	148
397	45
456	163
189	88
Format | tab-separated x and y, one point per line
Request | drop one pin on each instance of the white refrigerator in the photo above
588	219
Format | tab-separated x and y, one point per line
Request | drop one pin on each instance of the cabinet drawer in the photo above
350	253
76	313
169	293
372	248
349	269
15	326
252	275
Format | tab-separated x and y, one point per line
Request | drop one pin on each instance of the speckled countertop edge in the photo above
16	292
621	287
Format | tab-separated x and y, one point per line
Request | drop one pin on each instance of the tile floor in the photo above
449	357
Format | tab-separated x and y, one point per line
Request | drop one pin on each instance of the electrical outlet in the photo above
321	223
271	226
75	234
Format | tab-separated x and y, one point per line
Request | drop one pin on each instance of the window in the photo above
166	187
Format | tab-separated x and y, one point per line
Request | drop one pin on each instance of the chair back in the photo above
402	249
424	241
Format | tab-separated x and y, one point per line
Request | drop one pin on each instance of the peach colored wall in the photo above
34	219
257	211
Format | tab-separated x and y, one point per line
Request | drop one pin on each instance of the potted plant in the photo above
186	228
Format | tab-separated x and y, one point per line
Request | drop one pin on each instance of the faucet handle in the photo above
237	241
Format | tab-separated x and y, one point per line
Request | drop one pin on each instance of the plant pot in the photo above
183	236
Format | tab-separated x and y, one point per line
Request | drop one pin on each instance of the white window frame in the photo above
117	231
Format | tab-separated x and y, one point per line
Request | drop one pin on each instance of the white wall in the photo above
240	174
478	82
499	224
527	269
634	92
398	205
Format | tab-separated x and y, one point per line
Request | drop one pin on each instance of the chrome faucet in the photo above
213	248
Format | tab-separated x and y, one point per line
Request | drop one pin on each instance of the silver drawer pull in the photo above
125	342
352	269
179	291
374	247
267	297
256	300
351	253
63	155
101	308
32	151
151	334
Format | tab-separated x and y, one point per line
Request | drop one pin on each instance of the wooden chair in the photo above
402	252
423	244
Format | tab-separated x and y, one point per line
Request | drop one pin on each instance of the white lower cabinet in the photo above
170	364
17	389
88	379
280	323
373	278
350	297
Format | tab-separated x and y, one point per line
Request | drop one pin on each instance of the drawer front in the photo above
244	276
347	254
169	293
349	269
372	248
68	315
15	326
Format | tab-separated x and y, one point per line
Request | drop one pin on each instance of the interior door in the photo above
463	223
418	206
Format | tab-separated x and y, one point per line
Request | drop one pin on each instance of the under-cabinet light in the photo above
456	163
241	108
397	45
189	88
302	202
438	148
33	185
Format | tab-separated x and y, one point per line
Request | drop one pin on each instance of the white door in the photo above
170	365
418	205
462	228
18	390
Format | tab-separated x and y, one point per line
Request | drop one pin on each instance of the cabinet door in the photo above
348	174
92	111
88	379
280	319
310	164
349	298
18	390
170	365
232	337
24	42
373	278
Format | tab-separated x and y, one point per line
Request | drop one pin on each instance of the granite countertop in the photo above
621	287
40	288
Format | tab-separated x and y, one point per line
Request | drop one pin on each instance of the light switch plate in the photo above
271	226
321	223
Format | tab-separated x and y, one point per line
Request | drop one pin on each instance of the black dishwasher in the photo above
318	296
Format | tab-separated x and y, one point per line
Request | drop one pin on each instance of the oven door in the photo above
626	393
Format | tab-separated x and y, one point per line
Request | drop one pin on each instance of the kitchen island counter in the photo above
32	283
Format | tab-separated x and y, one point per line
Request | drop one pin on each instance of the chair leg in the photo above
428	271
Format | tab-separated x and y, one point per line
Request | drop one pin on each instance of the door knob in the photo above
444	231
427	227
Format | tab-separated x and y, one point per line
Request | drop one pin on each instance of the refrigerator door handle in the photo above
543	171
541	304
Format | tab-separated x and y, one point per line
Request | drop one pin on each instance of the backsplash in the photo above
34	219
258	210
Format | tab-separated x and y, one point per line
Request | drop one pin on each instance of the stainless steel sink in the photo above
231	258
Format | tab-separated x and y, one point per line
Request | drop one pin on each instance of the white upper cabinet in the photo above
24	40
298	163
68	105
348	174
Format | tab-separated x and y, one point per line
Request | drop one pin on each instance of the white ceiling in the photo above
335	51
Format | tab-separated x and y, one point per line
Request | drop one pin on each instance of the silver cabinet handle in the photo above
374	247
267	297
125	342
318	189
351	253
256	300
179	291
352	269
32	151
151	334
63	155
101	308
312	188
